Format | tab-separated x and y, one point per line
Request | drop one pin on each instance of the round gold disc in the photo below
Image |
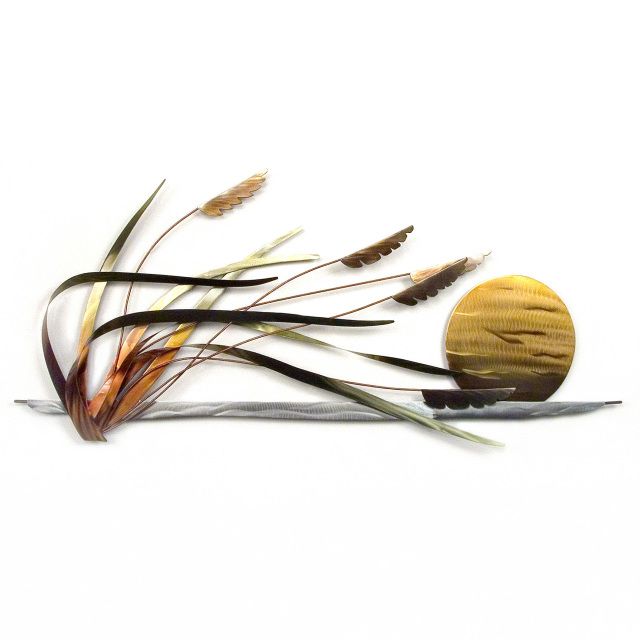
511	332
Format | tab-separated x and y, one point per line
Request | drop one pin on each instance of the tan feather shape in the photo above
374	252
471	263
233	196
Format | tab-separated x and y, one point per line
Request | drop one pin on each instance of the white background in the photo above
511	126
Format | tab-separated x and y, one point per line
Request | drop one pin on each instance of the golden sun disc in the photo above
511	332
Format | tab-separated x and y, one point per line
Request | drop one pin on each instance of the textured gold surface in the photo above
511	332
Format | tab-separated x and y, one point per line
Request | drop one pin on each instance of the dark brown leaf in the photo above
464	398
153	278
223	315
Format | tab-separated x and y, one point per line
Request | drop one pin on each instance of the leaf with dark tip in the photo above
374	252
429	287
95	297
464	398
93	303
233	196
157	278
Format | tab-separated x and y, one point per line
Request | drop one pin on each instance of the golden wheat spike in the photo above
233	196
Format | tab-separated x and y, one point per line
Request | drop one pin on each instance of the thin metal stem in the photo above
343	286
215	358
298	295
156	242
256	301
163	388
116	361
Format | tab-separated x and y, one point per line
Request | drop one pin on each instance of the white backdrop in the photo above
495	125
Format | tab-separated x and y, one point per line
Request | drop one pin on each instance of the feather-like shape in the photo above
430	286
470	265
464	398
374	252
233	196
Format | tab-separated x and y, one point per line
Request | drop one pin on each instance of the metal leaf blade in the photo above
403	363
95	297
348	391
223	315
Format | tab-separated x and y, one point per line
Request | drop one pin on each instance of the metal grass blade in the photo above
93	304
403	363
348	391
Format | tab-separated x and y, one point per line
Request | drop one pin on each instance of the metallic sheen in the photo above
337	411
511	332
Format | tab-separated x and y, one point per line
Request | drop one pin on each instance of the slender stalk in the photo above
342	286
288	280
165	386
215	358
298	295
112	372
255	302
155	243
111	411
268	293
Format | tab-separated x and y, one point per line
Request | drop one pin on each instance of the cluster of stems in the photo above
192	361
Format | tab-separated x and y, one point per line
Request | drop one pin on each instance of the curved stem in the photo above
258	300
298	295
342	286
164	387
156	242
215	358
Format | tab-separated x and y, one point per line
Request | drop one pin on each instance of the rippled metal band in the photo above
337	411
